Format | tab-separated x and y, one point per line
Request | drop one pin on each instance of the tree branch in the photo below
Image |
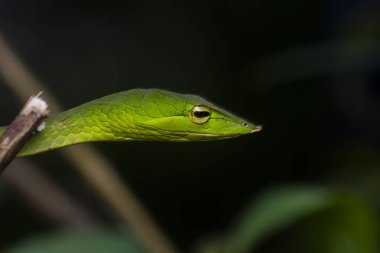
21	129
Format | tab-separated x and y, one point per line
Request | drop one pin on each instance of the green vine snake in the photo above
138	114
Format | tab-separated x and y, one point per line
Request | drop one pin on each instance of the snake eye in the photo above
200	114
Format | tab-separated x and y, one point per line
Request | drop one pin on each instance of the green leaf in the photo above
274	211
94	242
350	226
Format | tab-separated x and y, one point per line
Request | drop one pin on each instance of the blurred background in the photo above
308	71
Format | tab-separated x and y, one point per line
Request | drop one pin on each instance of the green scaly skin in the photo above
135	115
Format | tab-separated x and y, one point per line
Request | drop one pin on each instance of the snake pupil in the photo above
201	114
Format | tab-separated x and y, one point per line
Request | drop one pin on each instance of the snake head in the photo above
165	115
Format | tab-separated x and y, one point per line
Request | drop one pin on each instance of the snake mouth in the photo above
258	128
192	136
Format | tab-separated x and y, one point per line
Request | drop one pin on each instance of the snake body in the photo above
138	114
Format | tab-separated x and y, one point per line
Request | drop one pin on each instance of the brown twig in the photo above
21	129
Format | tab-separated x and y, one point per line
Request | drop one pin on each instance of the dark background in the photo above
308	71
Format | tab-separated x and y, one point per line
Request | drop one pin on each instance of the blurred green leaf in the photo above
332	222
273	211
349	226
94	242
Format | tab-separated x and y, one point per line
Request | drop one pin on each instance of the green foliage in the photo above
327	221
349	226
273	211
94	242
